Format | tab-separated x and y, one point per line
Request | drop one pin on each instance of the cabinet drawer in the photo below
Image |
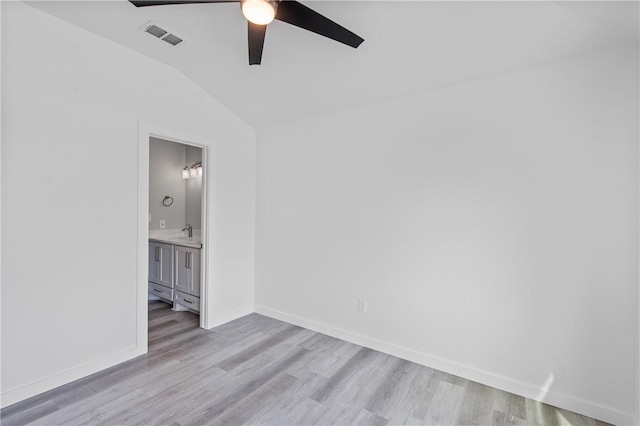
191	302
161	291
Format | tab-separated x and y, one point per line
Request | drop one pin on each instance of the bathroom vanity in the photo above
174	271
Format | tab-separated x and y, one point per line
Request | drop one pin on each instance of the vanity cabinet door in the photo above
161	264
183	273
166	265
154	262
187	261
194	287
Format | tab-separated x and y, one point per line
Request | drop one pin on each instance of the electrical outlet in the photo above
362	305
163	224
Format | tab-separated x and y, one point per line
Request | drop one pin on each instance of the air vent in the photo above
161	33
171	39
156	31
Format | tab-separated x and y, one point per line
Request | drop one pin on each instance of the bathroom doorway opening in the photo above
174	192
175	233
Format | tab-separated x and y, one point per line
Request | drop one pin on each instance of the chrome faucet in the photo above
188	228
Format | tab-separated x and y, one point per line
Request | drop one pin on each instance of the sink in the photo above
194	240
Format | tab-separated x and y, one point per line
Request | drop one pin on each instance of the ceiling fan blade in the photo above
295	13
142	3
256	42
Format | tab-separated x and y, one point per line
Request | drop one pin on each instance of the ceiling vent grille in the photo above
172	39
161	33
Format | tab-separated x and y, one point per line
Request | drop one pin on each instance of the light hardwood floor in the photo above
257	370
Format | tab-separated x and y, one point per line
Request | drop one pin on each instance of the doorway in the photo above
184	246
175	225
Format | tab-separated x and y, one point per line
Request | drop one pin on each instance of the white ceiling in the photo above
409	47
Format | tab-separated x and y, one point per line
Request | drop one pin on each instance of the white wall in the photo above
492	226
166	161
71	106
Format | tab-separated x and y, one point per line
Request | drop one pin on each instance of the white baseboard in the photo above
21	393
230	316
526	390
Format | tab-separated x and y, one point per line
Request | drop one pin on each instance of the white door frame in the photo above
208	145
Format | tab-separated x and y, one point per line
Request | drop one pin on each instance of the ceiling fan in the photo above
260	13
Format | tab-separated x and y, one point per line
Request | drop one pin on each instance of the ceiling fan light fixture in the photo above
260	12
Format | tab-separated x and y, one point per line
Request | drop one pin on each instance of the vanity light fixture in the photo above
192	171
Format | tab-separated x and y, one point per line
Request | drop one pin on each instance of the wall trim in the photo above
517	387
37	387
230	316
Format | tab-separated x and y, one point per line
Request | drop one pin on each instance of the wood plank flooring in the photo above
257	370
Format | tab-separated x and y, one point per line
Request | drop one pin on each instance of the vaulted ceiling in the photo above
409	47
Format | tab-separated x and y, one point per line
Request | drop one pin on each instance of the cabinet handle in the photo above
188	301
157	290
186	259
157	254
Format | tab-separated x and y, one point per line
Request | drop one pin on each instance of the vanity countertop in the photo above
176	239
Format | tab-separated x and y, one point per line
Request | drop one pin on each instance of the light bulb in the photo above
199	171
193	172
260	12
185	173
